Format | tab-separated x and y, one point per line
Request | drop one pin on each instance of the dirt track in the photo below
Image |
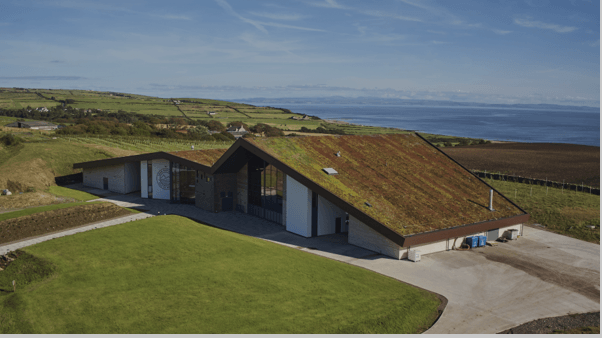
555	161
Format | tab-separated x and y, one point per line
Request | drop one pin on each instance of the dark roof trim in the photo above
143	157
463	230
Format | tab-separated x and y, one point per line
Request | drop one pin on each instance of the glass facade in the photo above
266	185
183	183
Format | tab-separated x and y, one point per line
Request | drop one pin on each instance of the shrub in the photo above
10	140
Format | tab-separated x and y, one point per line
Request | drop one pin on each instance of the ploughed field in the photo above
36	224
168	274
555	161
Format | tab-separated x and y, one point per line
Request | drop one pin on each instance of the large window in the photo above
183	182
266	184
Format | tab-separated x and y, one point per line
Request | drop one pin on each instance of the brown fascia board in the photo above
143	157
361	216
470	172
463	230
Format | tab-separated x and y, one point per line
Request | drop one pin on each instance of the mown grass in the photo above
168	274
562	211
71	193
31	211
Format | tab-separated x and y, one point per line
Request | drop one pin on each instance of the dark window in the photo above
182	183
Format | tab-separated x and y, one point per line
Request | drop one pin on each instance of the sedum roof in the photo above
410	186
205	157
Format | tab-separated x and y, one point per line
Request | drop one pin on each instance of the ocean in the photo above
502	124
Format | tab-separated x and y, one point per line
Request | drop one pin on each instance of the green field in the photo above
168	274
31	211
561	211
71	193
145	144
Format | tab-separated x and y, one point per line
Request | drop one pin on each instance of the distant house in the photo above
40	125
42	109
304	118
237	131
211	113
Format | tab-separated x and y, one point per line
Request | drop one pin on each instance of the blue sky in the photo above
531	51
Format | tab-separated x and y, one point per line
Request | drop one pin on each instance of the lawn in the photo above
31	211
71	193
168	274
562	211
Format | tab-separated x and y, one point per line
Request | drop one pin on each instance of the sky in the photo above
524	51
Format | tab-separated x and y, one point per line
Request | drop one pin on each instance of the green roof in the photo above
401	181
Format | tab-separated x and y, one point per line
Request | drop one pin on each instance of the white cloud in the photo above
543	25
258	24
279	16
328	4
501	32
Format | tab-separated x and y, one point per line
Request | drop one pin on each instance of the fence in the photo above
535	181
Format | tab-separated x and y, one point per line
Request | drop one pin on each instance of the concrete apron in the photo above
489	289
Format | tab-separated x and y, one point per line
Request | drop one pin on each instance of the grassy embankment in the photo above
31	211
561	211
168	274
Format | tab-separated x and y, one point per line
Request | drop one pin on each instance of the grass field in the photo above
168	274
71	193
145	144
561	211
31	211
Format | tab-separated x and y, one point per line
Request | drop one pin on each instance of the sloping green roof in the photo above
411	186
205	157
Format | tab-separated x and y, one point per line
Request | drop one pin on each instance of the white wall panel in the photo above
327	214
298	208
161	180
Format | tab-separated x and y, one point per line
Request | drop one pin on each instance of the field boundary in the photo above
535	181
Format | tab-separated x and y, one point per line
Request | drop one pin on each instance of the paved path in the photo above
38	239
489	289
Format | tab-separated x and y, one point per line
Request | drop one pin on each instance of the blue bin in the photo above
472	241
482	240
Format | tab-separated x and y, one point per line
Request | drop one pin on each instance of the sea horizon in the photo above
510	124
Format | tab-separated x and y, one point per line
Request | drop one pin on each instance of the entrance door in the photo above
337	225
105	183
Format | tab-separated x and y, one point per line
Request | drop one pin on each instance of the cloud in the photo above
258	24
105	7
501	32
44	78
328	4
380	14
595	43
279	16
543	25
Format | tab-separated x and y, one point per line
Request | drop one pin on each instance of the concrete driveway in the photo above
489	289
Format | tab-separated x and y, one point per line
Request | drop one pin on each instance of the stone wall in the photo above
204	192
242	187
225	185
93	177
365	237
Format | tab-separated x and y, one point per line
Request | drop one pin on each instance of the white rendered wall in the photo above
298	208
327	214
161	180
143	179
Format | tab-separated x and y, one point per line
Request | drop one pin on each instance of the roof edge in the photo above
142	157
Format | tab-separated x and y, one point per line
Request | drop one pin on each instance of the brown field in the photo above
553	161
55	220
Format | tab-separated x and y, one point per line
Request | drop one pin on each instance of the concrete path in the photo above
38	239
489	289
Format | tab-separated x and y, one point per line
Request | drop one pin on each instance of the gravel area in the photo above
548	325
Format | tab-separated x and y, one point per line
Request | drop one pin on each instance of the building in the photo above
41	125
237	131
389	193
